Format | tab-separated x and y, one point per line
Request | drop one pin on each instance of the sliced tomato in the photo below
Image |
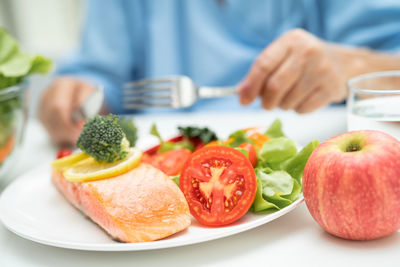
251	151
219	184
63	152
170	162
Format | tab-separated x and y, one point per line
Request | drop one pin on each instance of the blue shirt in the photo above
214	43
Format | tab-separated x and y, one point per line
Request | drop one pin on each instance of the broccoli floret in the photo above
130	130
103	139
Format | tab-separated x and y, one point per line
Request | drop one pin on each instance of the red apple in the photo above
351	185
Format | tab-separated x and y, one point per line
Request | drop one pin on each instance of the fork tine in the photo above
145	97
129	106
141	83
133	91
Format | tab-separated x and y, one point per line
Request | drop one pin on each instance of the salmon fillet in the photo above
138	206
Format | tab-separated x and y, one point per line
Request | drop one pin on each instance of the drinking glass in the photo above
374	102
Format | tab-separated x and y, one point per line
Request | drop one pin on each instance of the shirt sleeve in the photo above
369	23
106	55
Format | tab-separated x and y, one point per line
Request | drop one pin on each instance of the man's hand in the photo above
59	102
297	71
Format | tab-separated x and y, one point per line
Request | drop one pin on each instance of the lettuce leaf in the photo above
295	165
279	173
277	150
275	129
15	65
259	203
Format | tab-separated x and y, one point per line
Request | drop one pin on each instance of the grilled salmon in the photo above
138	206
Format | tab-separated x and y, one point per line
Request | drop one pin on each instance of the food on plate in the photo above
219	184
351	185
251	152
129	129
89	169
170	156
63	152
103	139
170	162
140	205
135	196
205	135
278	165
132	201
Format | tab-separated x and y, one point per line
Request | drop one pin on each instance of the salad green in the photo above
204	134
279	170
15	64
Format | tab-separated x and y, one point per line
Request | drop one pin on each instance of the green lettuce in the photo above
277	150
279	170
15	64
275	129
295	165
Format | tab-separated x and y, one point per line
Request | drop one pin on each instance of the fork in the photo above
171	92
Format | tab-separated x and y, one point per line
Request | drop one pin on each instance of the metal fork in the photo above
172	92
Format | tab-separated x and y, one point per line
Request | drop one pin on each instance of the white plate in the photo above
33	208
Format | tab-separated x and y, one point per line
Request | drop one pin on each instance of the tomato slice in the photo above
252	153
170	162
219	184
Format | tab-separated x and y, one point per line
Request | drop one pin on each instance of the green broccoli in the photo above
103	139
130	130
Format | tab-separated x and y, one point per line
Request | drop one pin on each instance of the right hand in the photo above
64	96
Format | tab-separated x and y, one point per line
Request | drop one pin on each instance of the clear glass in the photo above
374	102
13	114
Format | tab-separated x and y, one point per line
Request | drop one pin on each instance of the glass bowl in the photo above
13	114
374	102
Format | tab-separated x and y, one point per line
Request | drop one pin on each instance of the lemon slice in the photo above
90	170
66	162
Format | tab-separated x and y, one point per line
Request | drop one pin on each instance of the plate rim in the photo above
142	246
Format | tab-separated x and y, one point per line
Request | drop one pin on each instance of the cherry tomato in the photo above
252	153
170	162
63	152
219	184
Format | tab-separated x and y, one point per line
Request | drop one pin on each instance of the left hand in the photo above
297	71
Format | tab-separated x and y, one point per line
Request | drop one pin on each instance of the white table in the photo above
292	240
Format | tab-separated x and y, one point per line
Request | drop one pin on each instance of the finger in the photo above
266	63
62	104
315	100
57	117
281	81
299	92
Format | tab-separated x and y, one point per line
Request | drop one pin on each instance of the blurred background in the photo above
28	22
